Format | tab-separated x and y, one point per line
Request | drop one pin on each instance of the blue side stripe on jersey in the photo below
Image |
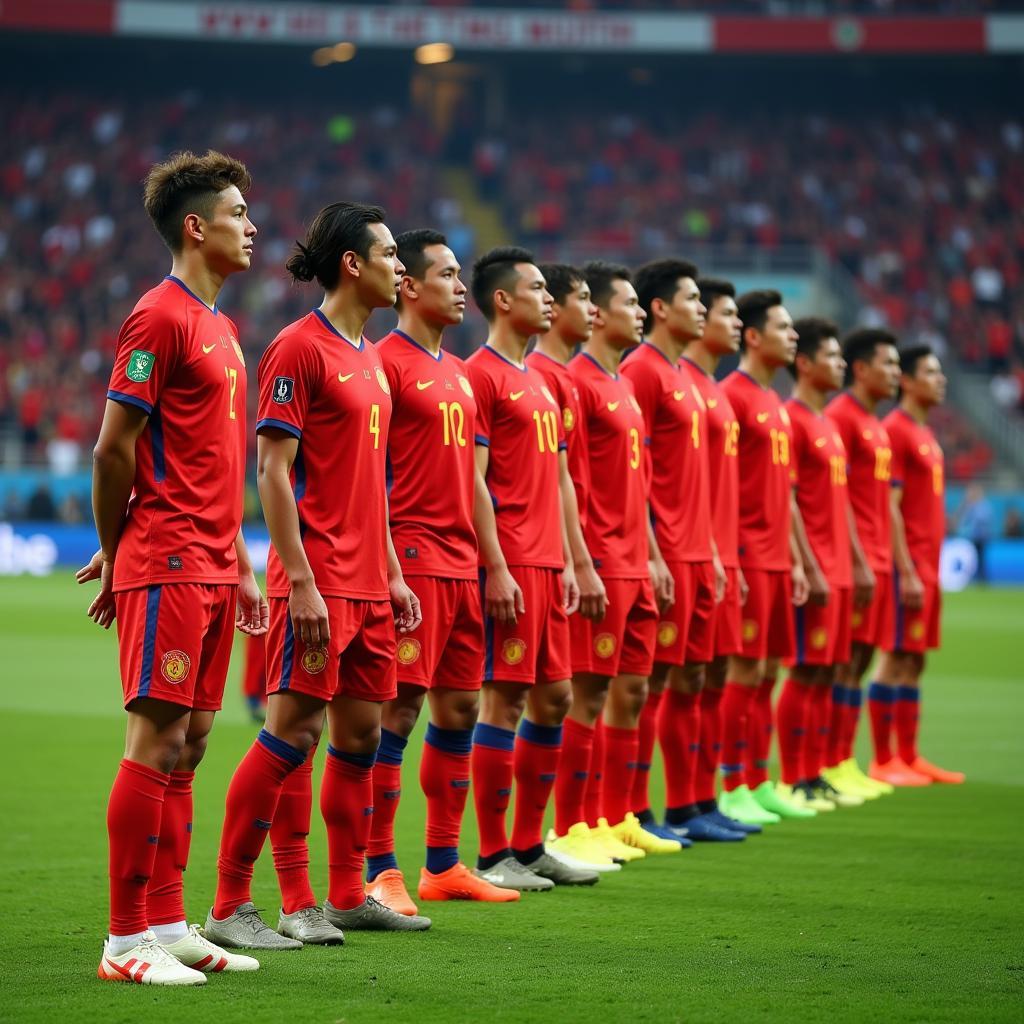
156	433
488	630
287	655
288	428
800	620
149	638
484	442
120	396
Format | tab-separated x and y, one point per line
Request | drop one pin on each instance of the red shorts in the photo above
536	648
823	633
916	631
175	642
686	632
874	625
767	629
359	660
623	641
448	647
729	617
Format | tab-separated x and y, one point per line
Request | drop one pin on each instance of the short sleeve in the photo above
288	380
483	391
149	350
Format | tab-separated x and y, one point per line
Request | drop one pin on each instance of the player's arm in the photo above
721	580
662	580
592	595
502	596
404	602
275	453
814	578
113	476
863	578
252	615
801	588
911	588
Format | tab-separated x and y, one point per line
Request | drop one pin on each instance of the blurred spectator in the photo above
40	505
975	522
1013	523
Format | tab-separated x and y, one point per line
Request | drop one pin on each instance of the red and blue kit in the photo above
430	502
819	477
675	417
918	468
333	396
520	423
765	460
610	454
179	361
869	476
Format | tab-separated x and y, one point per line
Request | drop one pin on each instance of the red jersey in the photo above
869	472
765	444
518	419
610	454
918	467
430	459
180	362
819	475
335	398
675	419
723	463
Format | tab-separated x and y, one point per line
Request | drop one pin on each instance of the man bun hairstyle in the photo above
496	269
660	279
336	230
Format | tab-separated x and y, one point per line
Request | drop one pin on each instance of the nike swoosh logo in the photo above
612	406
422	385
345	376
678	395
762	417
516	395
207	349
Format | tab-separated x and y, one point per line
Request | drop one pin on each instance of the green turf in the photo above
908	909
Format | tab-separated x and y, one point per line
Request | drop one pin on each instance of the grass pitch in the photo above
908	909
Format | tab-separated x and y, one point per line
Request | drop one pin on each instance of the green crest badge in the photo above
140	365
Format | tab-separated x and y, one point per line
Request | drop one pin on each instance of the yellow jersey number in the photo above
634	448
232	375
547	430
375	424
883	459
780	447
837	470
453	423
732	439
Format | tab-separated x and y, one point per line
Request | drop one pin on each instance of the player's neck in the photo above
668	346
347	315
508	342
810	396
554	346
698	354
197	277
757	369
864	397
425	335
606	355
914	409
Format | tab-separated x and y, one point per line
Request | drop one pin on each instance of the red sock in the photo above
679	735
882	714
851	719
346	803
251	803
593	796
573	772
818	731
491	767
289	838
620	746
535	765
794	716
165	902
736	702
134	812
444	777
387	789
710	750
836	723
640	799
759	734
907	714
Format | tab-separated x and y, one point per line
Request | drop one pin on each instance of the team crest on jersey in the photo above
408	650
916	630
924	449
382	380
140	365
568	419
867	435
857	619
749	630
819	638
174	666
465	385
513	651
820	442
284	390
314	660
668	633
604	645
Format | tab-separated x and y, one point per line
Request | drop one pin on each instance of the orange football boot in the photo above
935	773
459	883
389	888
897	773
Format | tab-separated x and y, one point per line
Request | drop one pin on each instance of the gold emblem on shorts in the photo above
916	630
857	619
667	634
513	651
604	645
382	380
465	385
749	630
568	419
408	650
819	638
314	660
174	666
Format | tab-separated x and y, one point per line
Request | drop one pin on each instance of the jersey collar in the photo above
188	291
334	330
424	350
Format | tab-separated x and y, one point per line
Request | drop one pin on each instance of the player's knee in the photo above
192	752
554	704
458	710
401	719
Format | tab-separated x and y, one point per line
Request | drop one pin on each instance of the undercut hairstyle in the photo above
811	332
336	230
753	307
601	277
187	183
412	246
660	279
714	288
912	355
496	269
561	279
860	345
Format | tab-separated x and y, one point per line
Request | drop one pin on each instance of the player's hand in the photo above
721	580
817	588
911	591
308	611
406	606
663	582
593	595
503	598
743	586
101	610
801	588
570	590
252	615
864	584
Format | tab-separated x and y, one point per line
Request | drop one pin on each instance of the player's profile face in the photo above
928	384
576	314
778	338
882	378
624	316
441	295
228	233
723	327
686	314
381	271
530	301
829	366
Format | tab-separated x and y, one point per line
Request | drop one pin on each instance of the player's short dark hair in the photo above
601	277
860	345
336	230
714	288
912	355
660	279
412	246
561	279
811	331
496	269
187	183
753	307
